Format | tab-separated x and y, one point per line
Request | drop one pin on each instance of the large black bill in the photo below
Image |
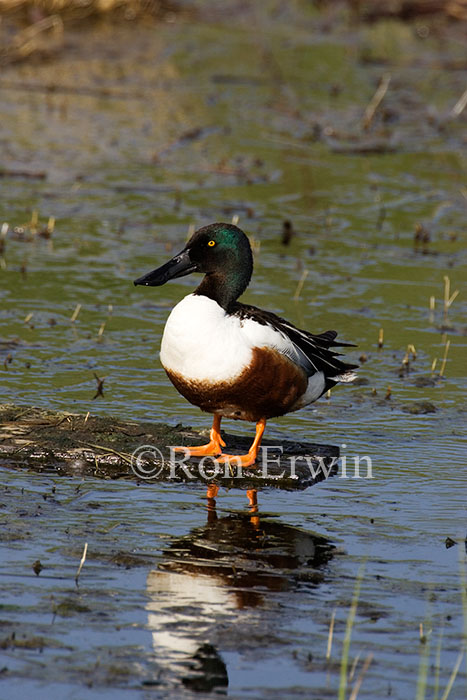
179	266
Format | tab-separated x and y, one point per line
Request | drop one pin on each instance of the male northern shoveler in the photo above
232	359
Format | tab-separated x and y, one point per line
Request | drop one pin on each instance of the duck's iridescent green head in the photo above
222	252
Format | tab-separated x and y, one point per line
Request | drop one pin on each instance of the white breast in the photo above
202	342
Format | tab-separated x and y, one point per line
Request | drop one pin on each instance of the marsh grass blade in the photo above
348	634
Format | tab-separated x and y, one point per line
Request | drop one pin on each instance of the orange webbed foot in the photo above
212	448
247	460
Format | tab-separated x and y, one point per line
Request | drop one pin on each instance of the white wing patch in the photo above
264	336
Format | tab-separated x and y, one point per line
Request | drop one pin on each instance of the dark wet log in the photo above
76	445
26	174
372	10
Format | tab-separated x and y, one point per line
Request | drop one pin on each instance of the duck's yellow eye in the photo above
211	243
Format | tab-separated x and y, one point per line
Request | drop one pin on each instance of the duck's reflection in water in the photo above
213	590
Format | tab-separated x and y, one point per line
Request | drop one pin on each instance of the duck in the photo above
235	360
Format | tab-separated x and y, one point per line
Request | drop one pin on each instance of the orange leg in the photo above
250	458
212	491
214	446
211	494
251	494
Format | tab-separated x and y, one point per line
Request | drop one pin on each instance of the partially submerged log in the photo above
76	445
411	9
374	10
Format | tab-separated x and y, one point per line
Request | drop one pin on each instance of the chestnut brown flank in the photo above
268	387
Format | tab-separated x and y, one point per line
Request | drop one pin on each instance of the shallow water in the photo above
126	176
